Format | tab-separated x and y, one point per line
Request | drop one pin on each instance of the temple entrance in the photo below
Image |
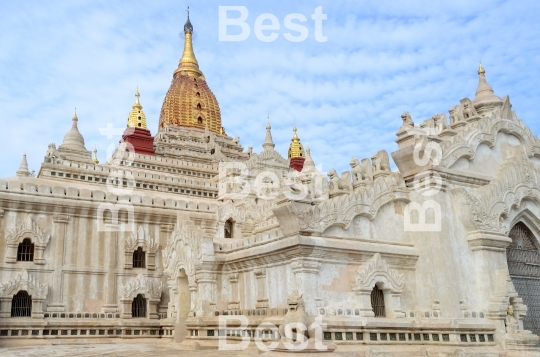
523	258
184	295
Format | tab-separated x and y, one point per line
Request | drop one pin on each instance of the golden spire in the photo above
188	63
136	118
75	115
95	159
481	69
296	149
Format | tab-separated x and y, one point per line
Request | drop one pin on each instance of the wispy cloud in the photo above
345	95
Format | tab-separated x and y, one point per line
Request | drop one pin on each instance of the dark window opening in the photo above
229	226
199	106
138	307
21	305
139	258
199	120
25	252
377	302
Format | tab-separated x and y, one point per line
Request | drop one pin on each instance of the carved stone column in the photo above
60	228
262	297
206	281
234	303
37	307
193	289
307	281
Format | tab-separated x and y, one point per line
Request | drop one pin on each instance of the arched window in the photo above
377	302
199	106
199	120
21	305
229	226
139	258
138	307
25	252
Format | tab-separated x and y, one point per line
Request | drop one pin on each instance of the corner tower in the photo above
189	101
136	132
297	155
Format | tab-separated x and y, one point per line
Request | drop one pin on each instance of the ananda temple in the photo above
184	235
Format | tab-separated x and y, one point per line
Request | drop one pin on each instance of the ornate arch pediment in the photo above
465	144
374	271
341	210
142	239
490	205
229	210
184	250
24	281
141	285
28	229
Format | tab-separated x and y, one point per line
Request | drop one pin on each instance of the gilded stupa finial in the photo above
188	63
75	115
137	95
136	118
481	69
95	159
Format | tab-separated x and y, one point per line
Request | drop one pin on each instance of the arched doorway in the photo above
523	257
184	296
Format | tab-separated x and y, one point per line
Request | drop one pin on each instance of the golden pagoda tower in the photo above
189	101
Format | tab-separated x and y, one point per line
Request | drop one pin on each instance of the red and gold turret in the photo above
136	132
297	155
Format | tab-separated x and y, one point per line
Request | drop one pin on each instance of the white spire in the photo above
309	164
268	142
23	167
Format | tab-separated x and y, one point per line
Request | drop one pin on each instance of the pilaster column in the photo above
206	281
193	289
110	279
234	303
307	281
262	297
57	286
37	308
488	250
5	306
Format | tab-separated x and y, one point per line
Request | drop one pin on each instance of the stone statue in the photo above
455	114
53	153
440	123
295	315
380	161
340	184
361	172
407	120
510	321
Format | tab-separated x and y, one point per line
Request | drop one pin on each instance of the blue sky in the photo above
345	95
